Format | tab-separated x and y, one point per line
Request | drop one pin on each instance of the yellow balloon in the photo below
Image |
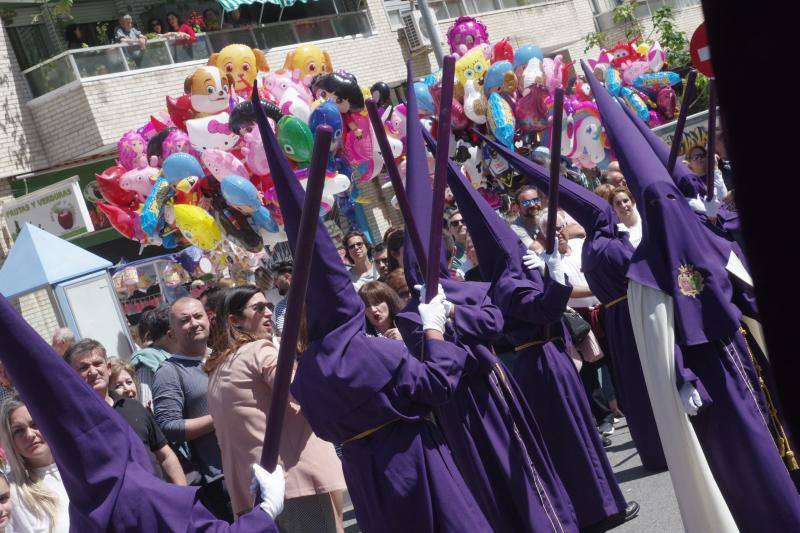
198	226
472	66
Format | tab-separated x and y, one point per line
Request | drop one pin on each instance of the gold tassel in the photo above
784	448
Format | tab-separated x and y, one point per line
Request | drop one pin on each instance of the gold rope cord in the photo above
784	448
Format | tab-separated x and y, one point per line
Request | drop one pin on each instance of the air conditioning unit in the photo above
416	33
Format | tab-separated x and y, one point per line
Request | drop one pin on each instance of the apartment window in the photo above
31	44
450	9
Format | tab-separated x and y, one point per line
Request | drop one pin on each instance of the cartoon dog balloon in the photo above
208	90
310	60
242	63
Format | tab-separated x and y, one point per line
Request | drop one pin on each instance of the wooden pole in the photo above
297	295
555	171
440	177
397	183
711	161
688	95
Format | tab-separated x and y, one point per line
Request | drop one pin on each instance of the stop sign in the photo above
700	51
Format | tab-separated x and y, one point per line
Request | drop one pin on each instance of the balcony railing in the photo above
83	63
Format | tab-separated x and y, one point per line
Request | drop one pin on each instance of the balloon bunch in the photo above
197	172
508	94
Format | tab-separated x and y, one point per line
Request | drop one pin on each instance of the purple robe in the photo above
677	257
605	259
104	466
495	441
532	309
372	396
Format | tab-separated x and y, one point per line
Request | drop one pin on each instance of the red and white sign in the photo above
700	51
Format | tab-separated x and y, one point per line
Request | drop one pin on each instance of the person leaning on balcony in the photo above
126	33
182	31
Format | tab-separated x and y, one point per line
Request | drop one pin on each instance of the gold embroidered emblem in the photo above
690	281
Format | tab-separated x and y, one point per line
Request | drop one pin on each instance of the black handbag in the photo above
577	327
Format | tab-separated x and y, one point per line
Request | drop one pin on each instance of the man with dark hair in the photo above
88	358
153	328
458	231
380	256
529	203
283	280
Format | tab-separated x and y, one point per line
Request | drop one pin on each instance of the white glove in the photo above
270	487
697	205
622	228
448	306
553	262
434	314
690	399
532	261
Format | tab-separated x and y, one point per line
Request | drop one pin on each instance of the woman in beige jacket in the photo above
241	374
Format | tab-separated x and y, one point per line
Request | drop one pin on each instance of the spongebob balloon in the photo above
310	60
241	62
472	66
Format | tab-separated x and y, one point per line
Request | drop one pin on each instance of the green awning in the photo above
230	5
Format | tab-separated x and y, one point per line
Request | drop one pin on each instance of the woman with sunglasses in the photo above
358	252
696	159
241	375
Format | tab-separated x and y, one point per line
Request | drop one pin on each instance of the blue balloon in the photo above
525	53
494	76
327	113
424	98
242	195
179	166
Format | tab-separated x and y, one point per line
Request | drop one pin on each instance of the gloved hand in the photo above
532	261
622	228
698	205
434	314
270	487
448	306
553	262
690	399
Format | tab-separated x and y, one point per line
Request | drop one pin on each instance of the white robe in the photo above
703	509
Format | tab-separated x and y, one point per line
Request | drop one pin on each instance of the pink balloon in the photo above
221	163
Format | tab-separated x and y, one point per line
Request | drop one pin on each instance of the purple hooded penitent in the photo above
104	466
495	441
678	257
532	310
605	259
371	395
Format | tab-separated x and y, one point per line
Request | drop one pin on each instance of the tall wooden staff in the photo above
555	171
397	182
297	295
688	95
440	177
711	160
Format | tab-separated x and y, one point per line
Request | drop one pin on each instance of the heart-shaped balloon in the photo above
108	183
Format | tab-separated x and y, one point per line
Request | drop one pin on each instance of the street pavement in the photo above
653	490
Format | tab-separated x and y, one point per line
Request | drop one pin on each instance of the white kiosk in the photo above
79	282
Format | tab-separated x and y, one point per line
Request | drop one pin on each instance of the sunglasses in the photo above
456	223
259	307
532	201
697	157
355	245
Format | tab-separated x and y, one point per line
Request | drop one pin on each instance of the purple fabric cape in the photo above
495	441
103	464
532	309
401	476
758	491
605	259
